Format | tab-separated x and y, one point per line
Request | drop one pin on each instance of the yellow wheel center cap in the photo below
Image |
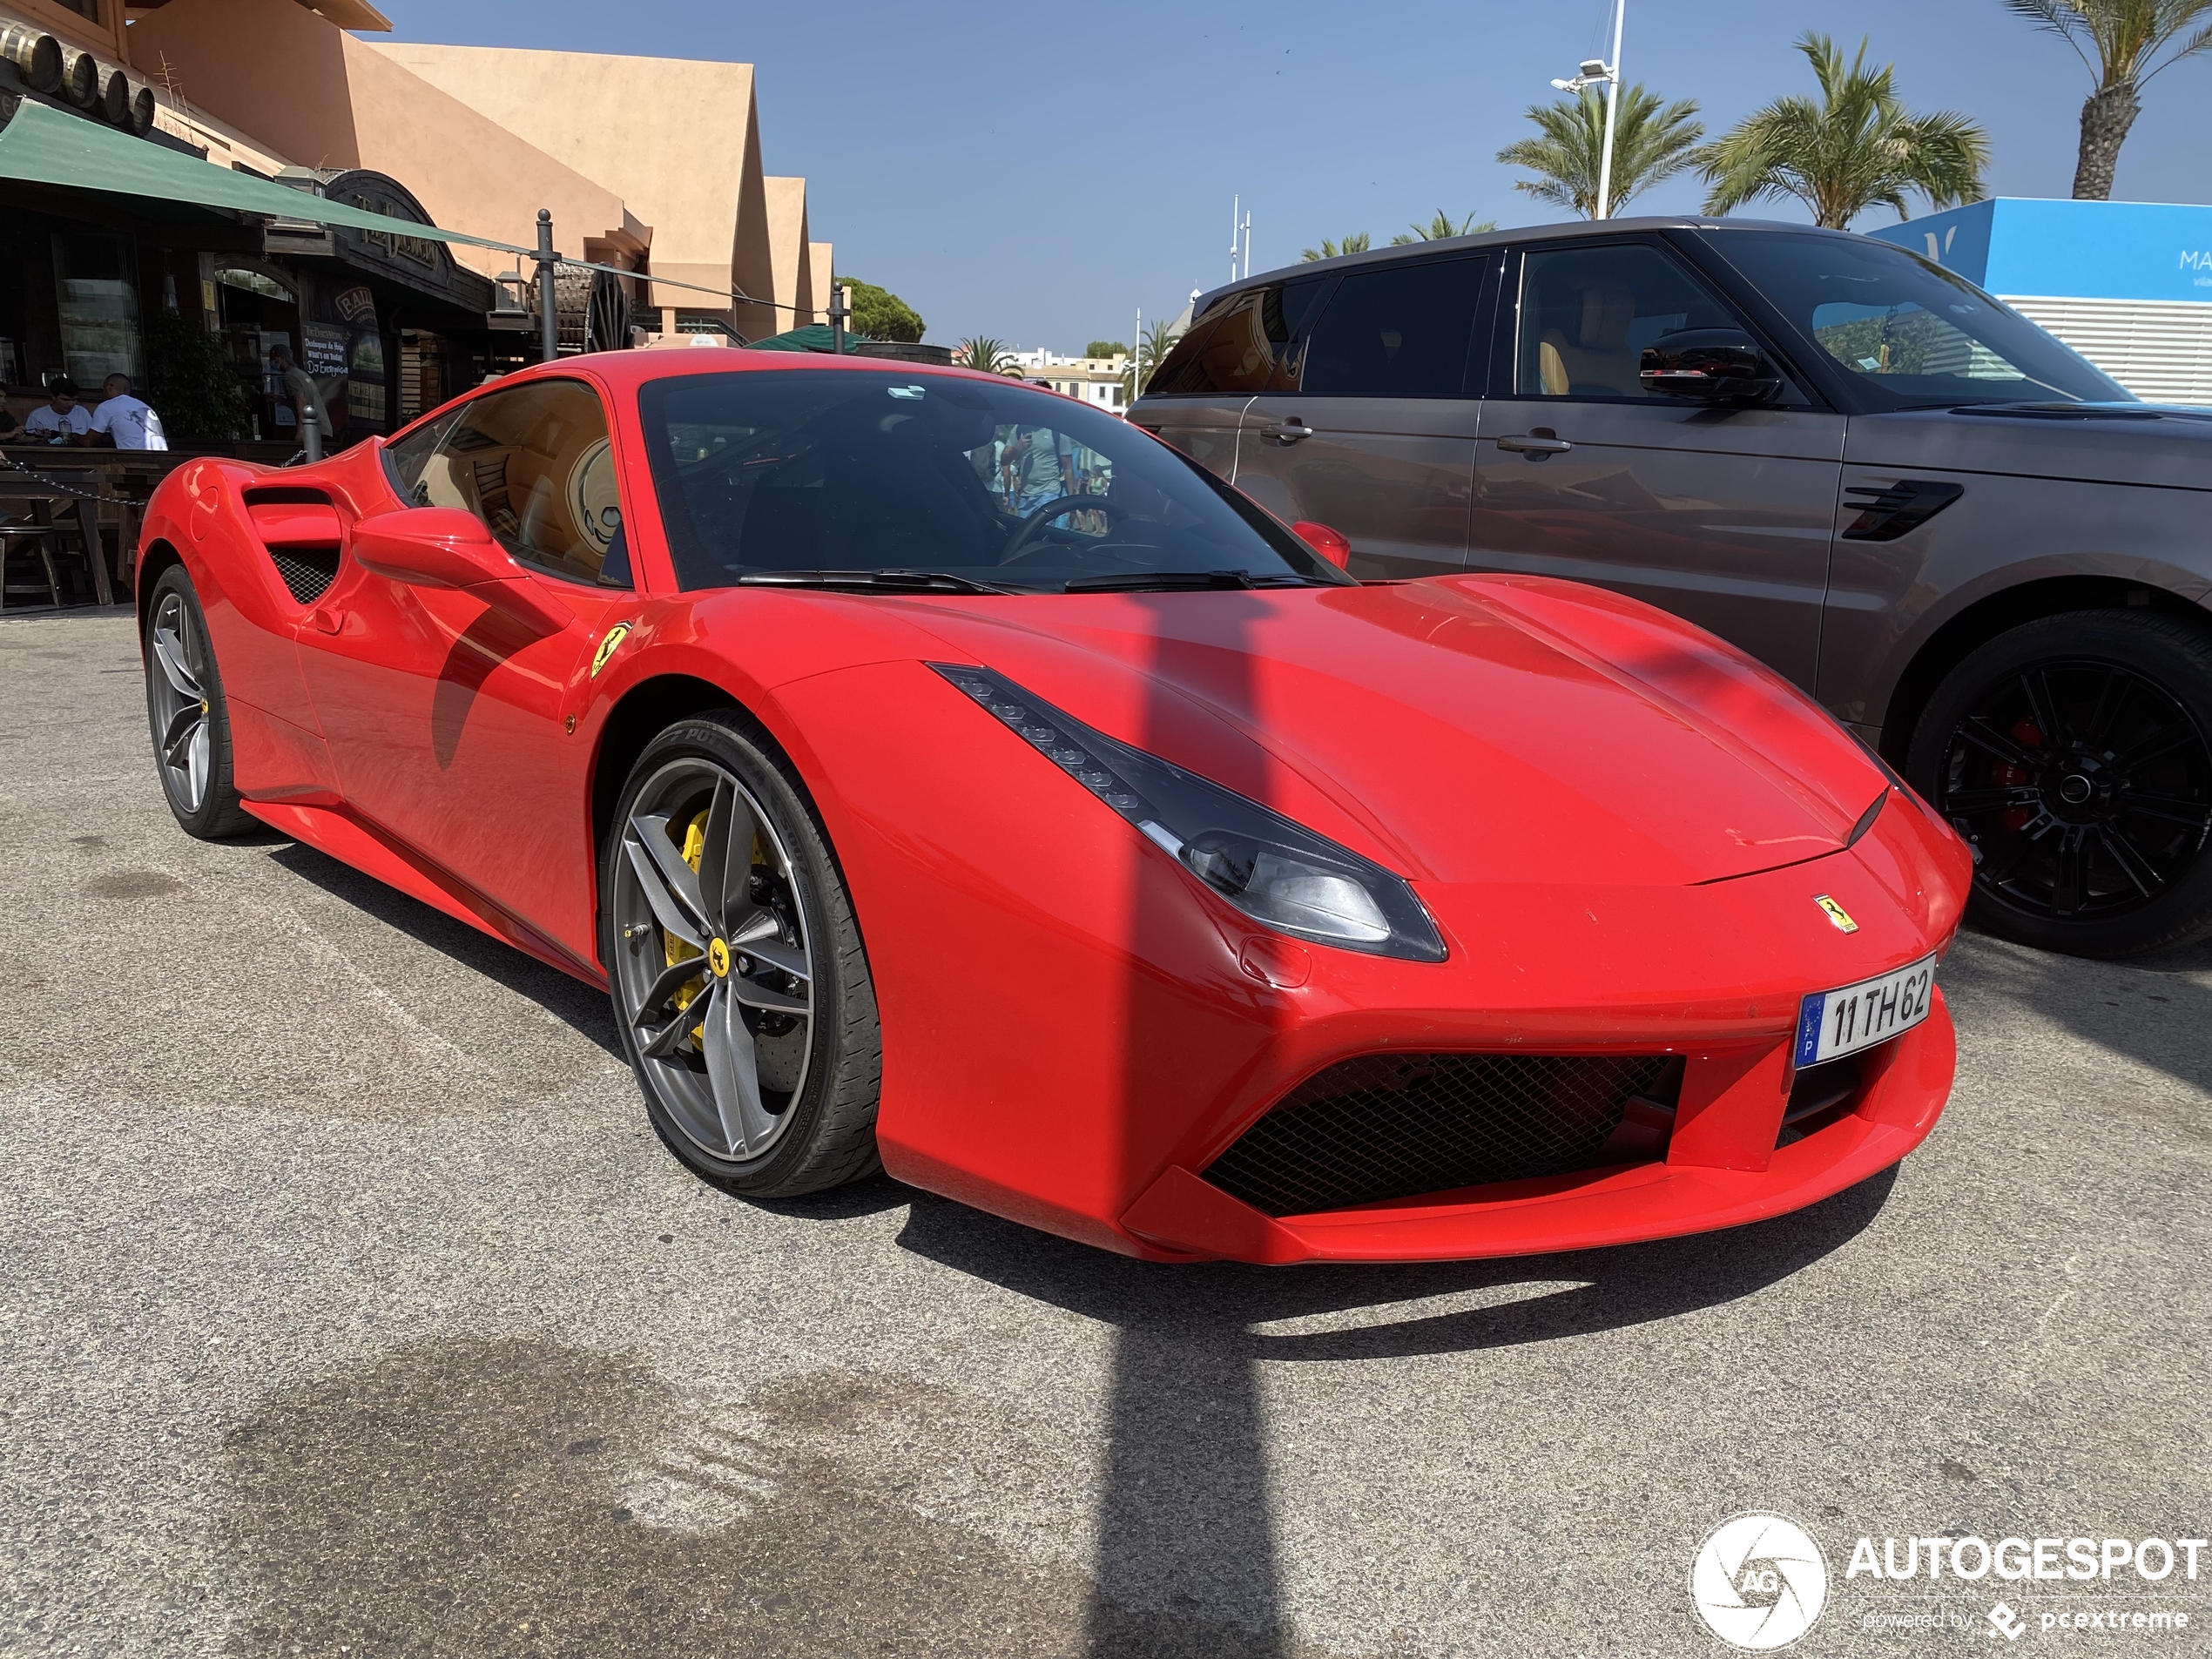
718	958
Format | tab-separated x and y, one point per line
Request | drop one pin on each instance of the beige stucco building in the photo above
648	164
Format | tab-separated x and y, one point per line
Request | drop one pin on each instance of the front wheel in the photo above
740	984
2072	754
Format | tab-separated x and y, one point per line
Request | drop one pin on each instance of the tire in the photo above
770	1091
187	713
2074	754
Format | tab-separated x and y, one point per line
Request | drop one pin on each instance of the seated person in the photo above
123	422
60	419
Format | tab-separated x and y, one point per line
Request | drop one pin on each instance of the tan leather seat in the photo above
1596	360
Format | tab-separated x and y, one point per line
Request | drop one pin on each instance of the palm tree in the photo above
1439	229
1151	351
986	353
1354	242
1858	147
1649	144
2127	36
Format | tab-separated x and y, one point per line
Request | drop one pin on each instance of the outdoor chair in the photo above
21	544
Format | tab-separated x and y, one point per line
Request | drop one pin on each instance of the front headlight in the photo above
1273	870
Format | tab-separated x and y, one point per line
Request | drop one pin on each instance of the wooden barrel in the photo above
142	108
80	78
37	56
115	99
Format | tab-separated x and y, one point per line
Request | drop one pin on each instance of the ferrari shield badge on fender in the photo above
1829	908
611	644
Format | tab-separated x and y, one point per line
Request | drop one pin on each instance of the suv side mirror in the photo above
1718	365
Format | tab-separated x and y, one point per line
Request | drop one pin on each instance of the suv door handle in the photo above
1523	444
1288	431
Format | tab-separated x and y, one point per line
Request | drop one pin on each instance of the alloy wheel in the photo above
2084	787
715	972
181	705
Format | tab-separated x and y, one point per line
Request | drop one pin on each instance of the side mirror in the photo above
444	547
1716	365
1332	545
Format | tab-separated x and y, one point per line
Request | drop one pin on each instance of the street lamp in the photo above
1591	72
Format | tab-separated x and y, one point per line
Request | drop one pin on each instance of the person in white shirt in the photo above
60	419
123	421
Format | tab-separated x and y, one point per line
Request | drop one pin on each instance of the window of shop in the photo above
98	298
258	312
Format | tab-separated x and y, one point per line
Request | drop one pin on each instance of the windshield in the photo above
783	476
1906	333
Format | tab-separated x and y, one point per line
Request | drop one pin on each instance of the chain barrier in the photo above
10	464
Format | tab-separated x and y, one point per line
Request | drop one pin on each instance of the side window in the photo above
1241	345
1400	330
1588	313
407	456
533	463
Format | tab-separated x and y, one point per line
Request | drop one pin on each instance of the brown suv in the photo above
1972	547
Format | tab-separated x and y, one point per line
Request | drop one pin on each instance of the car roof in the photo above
1570	230
624	370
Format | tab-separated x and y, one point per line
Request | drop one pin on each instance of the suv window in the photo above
1241	344
1397	330
1906	333
1588	313
532	462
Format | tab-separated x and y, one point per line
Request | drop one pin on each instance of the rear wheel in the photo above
2073	754
740	984
184	706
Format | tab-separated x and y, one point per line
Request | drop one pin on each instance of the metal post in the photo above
549	325
1612	97
311	431
839	311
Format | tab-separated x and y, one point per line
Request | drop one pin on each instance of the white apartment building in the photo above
1098	381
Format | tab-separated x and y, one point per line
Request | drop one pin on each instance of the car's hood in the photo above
1459	729
2111	443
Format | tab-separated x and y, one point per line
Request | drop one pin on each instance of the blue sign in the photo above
2070	249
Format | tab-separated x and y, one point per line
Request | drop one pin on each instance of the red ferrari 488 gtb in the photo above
947	776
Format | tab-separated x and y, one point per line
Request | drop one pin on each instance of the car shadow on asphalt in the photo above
1186	1545
581	1007
2155	1010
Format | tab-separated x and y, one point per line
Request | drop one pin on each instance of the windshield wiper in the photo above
894	581
1158	582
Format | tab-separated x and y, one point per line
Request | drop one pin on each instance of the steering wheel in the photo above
1052	509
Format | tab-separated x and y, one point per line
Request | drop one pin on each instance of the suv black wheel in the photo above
2073	755
740	984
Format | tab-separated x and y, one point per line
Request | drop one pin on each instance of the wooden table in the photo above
48	463
124	478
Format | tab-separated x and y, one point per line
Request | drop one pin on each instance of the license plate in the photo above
1833	1023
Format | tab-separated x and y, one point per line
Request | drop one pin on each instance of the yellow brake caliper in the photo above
676	950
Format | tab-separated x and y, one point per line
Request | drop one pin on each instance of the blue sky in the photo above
1036	172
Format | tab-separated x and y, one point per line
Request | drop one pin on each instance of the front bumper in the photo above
1904	1084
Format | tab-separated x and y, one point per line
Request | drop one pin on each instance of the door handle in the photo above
1288	431
1529	444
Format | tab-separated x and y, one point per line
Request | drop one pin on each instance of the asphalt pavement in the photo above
348	1306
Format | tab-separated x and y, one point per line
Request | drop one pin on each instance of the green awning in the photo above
43	146
816	336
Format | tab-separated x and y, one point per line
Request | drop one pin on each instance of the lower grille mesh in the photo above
1400	1126
307	572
